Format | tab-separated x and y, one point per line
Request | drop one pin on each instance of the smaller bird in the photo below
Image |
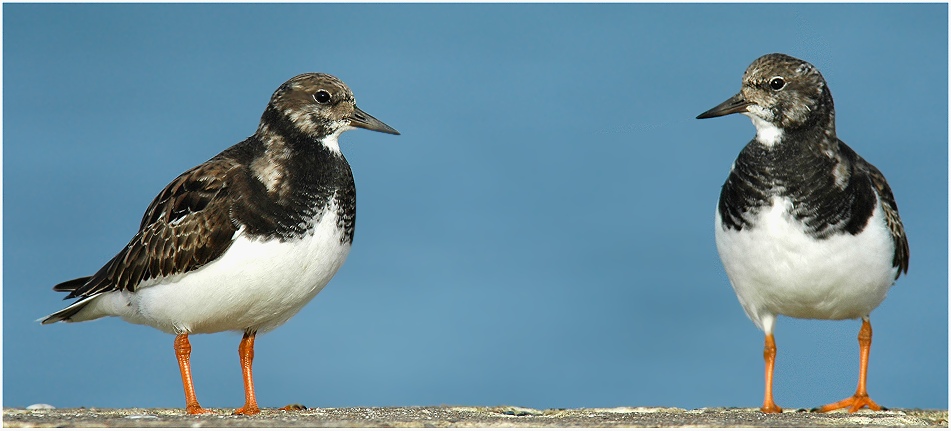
243	241
805	227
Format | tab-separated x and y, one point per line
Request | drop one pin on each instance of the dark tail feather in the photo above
68	312
71	285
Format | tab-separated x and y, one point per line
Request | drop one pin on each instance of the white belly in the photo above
255	285
776	268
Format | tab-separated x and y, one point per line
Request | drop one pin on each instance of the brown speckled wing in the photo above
187	226
890	208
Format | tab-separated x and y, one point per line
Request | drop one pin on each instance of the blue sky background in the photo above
540	235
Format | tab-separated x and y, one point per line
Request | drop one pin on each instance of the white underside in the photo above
776	268
255	285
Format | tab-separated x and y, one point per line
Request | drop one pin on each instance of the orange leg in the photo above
769	355
183	351
246	355
861	398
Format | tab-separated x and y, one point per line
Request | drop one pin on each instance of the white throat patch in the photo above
766	133
330	141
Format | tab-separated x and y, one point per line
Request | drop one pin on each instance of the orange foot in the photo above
196	410
854	403
770	408
293	407
247	410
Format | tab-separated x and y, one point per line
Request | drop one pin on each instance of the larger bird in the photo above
805	227
243	241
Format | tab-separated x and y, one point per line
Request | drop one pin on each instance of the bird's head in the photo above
779	93
320	105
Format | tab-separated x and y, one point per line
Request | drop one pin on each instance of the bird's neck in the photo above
288	162
279	132
816	137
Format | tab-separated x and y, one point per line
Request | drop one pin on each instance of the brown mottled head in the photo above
784	91
320	105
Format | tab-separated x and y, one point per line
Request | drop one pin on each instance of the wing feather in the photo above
892	219
186	226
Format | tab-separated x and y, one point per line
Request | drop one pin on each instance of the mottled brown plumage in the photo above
269	184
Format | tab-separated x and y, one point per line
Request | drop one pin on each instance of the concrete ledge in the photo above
446	416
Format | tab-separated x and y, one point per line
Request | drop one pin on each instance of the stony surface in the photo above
447	416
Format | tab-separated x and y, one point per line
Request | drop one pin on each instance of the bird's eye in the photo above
322	97
777	83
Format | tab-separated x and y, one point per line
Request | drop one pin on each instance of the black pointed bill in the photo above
366	121
733	105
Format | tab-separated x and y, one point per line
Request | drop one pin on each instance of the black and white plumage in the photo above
243	241
805	227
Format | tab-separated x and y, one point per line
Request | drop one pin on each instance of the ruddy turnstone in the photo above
805	227
243	241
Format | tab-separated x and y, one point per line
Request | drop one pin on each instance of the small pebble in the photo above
40	407
293	407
